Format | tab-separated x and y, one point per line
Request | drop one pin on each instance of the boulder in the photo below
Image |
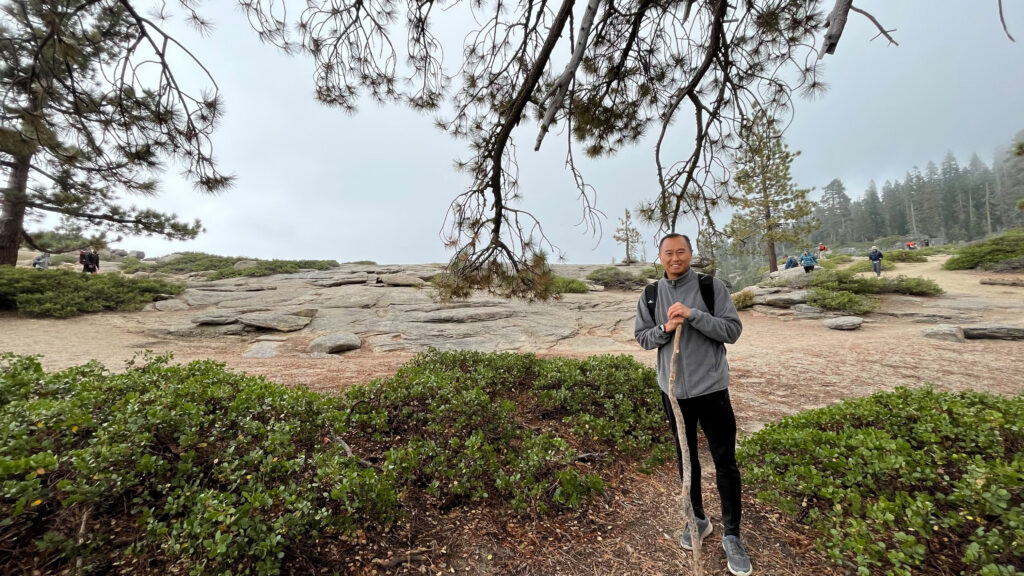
215	319
844	323
337	342
245	264
994	331
274	321
119	252
137	254
808	311
947	332
400	280
785	299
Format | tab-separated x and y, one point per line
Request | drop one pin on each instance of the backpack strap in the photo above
706	282
707	291
651	297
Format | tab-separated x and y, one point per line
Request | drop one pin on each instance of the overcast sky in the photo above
314	182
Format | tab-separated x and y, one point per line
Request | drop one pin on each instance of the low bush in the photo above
223	266
363	262
743	299
1008	265
613	400
656	271
990	252
903	482
563	285
192	469
864	265
612	277
904	256
842	301
64	293
913	286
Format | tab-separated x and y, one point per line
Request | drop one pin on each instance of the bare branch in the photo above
1003	20
881	31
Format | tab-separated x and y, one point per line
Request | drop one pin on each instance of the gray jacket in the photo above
702	367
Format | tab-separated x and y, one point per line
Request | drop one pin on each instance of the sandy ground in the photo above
779	365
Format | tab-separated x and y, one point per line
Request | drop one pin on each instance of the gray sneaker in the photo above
739	562
705	526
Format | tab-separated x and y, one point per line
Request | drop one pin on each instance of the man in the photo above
702	382
41	262
876	260
790	261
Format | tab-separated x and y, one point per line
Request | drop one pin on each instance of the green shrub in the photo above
1008	265
913	286
841	300
933	250
835	260
1003	247
363	262
614	400
743	299
215	472
903	482
904	256
63	293
223	266
657	271
612	277
861	266
563	285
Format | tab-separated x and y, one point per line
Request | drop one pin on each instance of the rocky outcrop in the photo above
333	343
276	321
994	331
400	280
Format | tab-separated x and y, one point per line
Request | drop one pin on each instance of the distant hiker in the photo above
702	306
41	262
822	249
790	262
911	245
808	261
90	261
876	260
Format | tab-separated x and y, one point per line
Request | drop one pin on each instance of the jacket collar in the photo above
681	280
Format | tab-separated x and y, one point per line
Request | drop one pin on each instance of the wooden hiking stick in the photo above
684	455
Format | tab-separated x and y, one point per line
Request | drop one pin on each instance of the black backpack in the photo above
707	293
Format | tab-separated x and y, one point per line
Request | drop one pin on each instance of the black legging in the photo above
714	414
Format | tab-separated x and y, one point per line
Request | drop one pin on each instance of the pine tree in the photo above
769	206
835	211
872	205
92	110
629	236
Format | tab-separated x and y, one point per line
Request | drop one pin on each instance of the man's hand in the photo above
677	314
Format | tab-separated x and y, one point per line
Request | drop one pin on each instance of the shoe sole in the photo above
738	573
703	535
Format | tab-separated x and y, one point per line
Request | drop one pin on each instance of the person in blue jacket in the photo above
808	261
876	260
790	262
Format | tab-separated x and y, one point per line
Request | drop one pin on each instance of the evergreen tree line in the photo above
948	201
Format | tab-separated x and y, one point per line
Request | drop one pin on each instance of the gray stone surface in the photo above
947	332
332	343
274	321
994	331
784	299
401	280
844	323
261	350
772	310
245	264
340	281
174	305
808	311
215	319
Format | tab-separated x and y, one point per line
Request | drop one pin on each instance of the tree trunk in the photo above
773	259
12	211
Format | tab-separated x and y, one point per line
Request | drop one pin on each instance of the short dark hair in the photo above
674	235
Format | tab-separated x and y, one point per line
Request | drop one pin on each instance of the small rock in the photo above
947	332
337	342
215	319
245	264
844	323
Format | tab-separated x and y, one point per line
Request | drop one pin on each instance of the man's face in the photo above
675	255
